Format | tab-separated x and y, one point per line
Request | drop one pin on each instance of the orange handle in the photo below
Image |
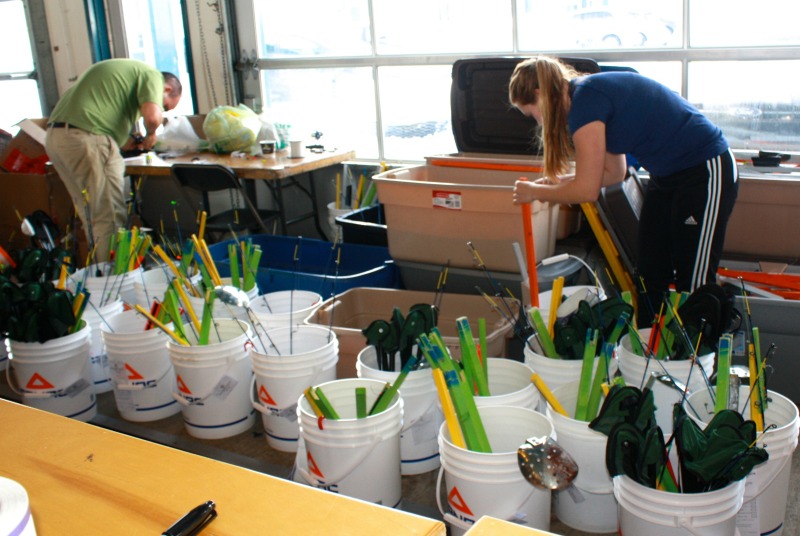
530	251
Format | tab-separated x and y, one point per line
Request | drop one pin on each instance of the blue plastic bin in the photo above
315	269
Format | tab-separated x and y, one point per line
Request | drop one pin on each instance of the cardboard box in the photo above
355	309
765	213
27	185
432	211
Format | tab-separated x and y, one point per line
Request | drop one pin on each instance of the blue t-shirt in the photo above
645	119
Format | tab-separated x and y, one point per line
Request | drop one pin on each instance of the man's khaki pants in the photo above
92	169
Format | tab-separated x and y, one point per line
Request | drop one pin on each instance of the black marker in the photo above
194	521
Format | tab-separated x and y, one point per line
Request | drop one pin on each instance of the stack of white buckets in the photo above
64	375
589	504
595	503
108	293
56	375
288	358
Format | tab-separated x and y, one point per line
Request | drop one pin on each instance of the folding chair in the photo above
205	178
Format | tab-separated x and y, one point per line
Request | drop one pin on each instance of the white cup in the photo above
296	149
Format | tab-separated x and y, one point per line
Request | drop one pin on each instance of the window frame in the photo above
685	54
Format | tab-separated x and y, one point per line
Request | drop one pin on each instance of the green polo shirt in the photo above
107	98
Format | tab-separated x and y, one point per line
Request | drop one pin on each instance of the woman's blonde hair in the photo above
551	78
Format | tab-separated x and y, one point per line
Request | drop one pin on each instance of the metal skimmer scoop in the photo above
232	296
545	464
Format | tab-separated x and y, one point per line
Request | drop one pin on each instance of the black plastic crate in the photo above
364	226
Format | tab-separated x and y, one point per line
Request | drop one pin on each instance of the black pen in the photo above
194	521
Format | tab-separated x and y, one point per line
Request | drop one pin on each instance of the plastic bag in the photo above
178	135
230	128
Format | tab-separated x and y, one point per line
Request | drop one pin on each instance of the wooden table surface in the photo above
267	167
82	479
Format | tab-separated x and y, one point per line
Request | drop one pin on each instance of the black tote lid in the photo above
483	120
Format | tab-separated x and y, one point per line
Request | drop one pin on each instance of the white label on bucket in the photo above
444	199
76	388
224	387
747	519
289	413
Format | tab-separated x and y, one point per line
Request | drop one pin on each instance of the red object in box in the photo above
17	162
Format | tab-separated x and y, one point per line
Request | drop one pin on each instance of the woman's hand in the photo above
526	191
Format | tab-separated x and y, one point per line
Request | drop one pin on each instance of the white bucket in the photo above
153	283
635	368
142	374
107	287
221	309
422	415
509	385
359	458
334	213
280	378
213	382
491	484
285	307
546	297
97	317
767	486
56	375
557	372
4	354
589	504
652	512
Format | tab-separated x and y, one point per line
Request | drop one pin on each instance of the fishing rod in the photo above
498	291
441	285
333	290
511	321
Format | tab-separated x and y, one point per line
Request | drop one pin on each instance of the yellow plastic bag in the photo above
231	128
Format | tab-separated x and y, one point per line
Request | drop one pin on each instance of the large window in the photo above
375	75
154	34
17	82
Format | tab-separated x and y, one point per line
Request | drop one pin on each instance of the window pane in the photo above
666	72
312	28
744	23
442	26
415	106
560	25
339	103
14	37
752	114
25	96
155	34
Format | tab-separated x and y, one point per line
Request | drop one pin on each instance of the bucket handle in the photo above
9	377
458	523
447	516
128	386
311	479
775	472
261	408
181	400
408	425
257	405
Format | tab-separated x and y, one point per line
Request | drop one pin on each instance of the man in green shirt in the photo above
91	121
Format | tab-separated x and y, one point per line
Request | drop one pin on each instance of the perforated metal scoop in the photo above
545	464
232	295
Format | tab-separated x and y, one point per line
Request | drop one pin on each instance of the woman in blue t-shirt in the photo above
594	121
